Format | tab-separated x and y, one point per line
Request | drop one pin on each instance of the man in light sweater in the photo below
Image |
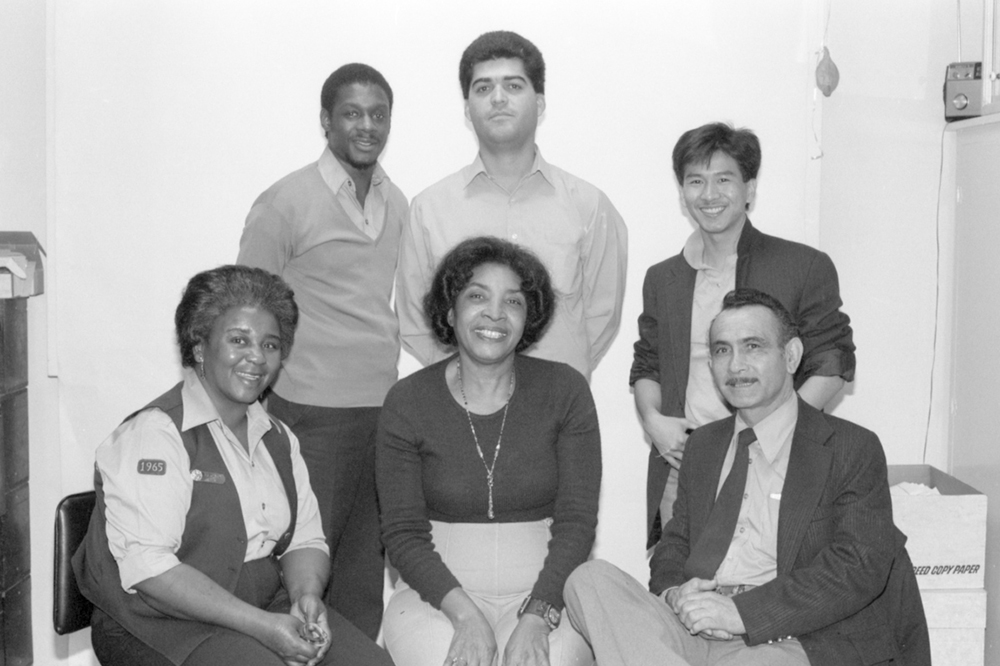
331	230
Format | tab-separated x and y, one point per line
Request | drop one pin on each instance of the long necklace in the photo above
475	438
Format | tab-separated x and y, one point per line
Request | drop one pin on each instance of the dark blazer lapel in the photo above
702	497
808	468
677	308
744	253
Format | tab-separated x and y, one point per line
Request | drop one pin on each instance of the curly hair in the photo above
210	294
455	271
697	146
502	44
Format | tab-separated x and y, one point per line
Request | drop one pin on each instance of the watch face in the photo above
552	617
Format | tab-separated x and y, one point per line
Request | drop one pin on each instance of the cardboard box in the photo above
21	271
957	623
946	533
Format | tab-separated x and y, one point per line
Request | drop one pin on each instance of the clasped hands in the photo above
303	635
705	612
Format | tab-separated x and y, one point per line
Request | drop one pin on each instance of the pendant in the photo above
489	482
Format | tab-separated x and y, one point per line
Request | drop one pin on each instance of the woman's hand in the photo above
315	629
284	639
304	572
529	644
474	643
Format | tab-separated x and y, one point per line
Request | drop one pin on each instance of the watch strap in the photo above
542	609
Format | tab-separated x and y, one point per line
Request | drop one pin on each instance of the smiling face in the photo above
239	360
502	105
489	314
357	126
751	367
715	195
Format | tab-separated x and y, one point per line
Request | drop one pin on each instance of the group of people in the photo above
227	533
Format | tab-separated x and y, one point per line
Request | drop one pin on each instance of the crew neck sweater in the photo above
548	466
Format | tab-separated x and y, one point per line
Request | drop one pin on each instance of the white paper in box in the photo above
946	533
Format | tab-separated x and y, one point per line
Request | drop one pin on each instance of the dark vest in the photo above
214	539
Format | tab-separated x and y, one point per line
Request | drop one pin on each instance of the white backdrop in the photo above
166	119
172	117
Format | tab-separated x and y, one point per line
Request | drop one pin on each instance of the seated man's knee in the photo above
588	576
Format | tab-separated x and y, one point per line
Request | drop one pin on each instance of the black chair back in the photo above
70	609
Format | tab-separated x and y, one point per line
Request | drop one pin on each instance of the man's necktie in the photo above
713	544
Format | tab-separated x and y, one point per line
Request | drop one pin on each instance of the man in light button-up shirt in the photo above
509	191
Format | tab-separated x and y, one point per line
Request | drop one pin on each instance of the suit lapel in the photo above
745	254
808	468
680	291
703	493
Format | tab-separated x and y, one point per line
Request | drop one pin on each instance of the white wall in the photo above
882	136
168	118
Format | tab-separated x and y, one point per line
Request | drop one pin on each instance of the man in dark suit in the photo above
782	548
716	167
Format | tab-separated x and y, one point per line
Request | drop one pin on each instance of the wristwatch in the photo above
542	609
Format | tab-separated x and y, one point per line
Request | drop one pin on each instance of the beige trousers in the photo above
497	564
628	626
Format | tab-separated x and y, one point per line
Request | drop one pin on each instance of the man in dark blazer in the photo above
716	167
811	569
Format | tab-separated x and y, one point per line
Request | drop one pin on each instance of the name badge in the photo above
207	477
154	467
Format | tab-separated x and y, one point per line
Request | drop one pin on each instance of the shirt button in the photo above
746	495
742	530
513	237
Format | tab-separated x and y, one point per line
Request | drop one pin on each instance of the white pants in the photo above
497	564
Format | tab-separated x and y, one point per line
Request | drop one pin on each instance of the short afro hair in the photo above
210	294
455	271
345	75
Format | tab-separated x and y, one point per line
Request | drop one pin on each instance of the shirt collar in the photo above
334	174
694	252
199	410
776	428
477	167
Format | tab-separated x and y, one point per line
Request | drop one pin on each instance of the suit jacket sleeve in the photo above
645	358
846	550
825	330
